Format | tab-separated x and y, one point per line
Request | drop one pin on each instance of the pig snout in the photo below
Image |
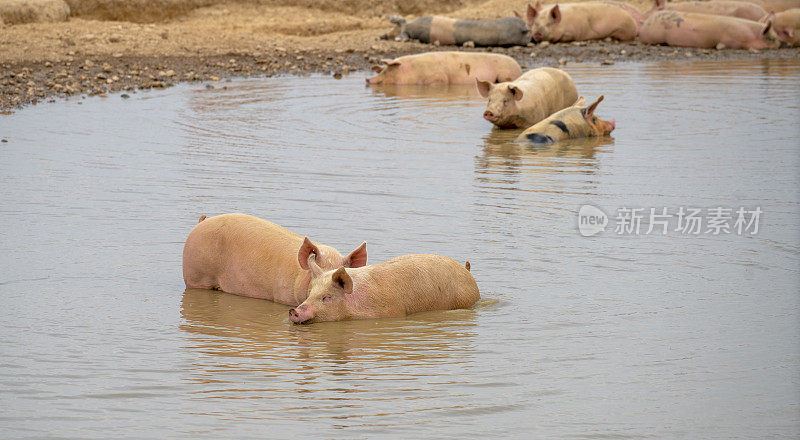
299	315
489	116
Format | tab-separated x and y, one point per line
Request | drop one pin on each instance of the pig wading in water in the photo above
509	31
688	29
397	287
571	123
447	68
535	95
248	256
579	22
746	10
787	26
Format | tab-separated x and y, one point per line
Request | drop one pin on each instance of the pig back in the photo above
420	282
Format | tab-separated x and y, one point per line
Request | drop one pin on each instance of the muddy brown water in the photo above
610	336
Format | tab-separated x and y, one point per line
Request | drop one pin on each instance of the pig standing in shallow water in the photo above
509	31
245	255
580	21
447	68
397	287
571	123
688	29
530	98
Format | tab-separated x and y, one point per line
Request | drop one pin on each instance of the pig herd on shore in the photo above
248	256
736	24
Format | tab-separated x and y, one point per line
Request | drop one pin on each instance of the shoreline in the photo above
27	83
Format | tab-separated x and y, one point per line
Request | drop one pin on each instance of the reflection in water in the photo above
235	337
439	92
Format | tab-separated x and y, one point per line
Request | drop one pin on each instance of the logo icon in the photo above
591	220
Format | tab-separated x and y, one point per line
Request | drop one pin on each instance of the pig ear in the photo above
377	69
767	27
306	249
517	14
580	102
358	257
588	112
516	92
342	280
483	87
556	13
390	63
531	13
768	17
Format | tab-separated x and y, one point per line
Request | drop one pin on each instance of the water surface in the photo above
611	336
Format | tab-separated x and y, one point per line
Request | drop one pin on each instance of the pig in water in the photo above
580	21
571	123
535	95
509	31
248	256
739	9
447	68
787	26
688	29
397	287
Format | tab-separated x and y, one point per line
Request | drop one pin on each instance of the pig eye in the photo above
326	298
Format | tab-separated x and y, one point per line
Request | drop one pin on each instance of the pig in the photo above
775	5
535	95
689	29
739	9
579	22
508	31
573	122
248	256
787	26
393	288
447	68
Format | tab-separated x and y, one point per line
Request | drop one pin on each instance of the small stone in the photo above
124	96
623	52
544	44
437	43
607	63
107	68
88	63
114	39
562	61
117	55
720	46
213	78
688	54
533	54
4	140
209	87
754	50
337	75
469	44
48	64
164	34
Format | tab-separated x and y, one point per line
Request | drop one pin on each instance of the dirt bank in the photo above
227	39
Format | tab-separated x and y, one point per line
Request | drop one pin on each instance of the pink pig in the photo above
397	287
580	21
447	68
248	256
688	29
739	9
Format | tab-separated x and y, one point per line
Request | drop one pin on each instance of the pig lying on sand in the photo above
571	123
530	98
688	29
580	21
397	287
509	31
787	26
245	255
739	9
447	68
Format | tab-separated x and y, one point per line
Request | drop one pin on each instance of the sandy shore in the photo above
86	57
